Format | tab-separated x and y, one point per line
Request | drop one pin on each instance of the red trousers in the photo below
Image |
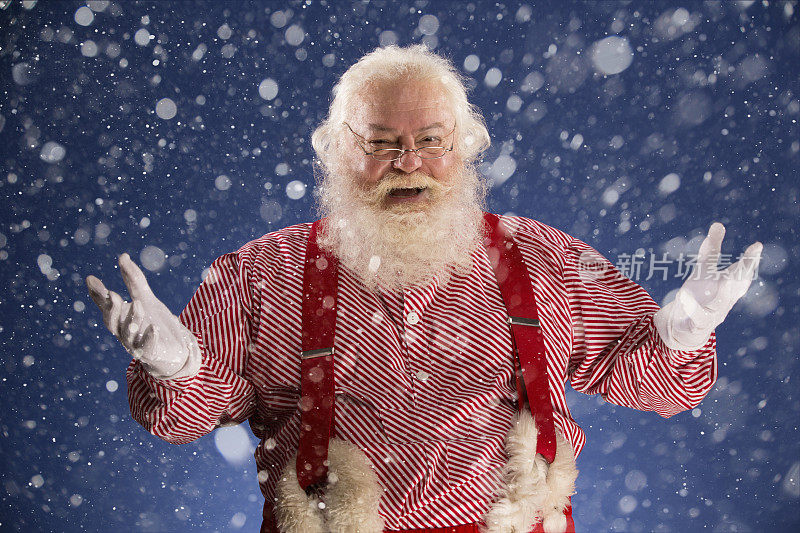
268	525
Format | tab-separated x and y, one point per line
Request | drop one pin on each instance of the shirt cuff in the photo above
678	358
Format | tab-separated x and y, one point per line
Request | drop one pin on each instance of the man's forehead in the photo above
390	107
377	127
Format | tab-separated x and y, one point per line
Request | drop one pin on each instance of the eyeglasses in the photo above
428	150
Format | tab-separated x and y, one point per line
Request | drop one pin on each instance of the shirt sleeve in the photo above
182	410
616	350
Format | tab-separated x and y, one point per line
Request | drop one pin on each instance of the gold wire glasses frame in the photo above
393	154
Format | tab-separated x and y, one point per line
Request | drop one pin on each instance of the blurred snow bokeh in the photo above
177	132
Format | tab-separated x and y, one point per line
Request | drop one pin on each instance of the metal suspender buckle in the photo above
520	321
320	352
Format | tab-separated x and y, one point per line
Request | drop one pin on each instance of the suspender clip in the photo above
520	321
320	352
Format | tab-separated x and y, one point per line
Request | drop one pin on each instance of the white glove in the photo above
706	297
146	327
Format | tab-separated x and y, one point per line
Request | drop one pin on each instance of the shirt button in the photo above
412	318
422	375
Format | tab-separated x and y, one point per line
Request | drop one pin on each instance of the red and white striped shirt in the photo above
423	377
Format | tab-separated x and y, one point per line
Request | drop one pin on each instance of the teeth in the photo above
406	191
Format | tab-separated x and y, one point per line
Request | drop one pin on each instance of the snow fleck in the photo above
612	55
610	196
753	68
761	299
98	6
79	306
428	24
669	184
374	263
75	500
233	444
37	481
23	73
493	77
295	35
502	169
791	482
774	259
113	50
635	480
271	211
295	189
627	504
471	63
693	108
278	19
166	109
224	32
45	263
152	258
524	13
238	520
228	50
514	103
680	17
81	236
190	216
329	60
199	52
673	23
388	38
84	16
142	37
112	386
536	111
222	182
89	48
532	82
268	89
52	152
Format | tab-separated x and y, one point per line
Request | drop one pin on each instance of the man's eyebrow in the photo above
379	128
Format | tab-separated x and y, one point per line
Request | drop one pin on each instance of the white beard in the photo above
403	245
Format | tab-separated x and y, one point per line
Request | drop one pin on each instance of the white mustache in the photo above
395	180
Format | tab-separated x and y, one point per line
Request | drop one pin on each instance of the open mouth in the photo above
406	192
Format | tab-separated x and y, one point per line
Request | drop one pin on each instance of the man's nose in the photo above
408	162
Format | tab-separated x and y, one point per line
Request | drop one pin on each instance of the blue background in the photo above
701	126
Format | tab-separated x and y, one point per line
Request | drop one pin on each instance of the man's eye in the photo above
430	140
381	142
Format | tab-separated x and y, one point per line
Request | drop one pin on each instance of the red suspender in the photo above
319	323
526	332
316	364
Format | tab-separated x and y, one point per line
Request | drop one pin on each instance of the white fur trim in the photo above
352	496
533	491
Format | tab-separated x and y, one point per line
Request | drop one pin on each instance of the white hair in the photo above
388	65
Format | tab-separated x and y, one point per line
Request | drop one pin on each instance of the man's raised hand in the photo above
145	326
706	297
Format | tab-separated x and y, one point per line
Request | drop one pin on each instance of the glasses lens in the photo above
431	152
387	154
